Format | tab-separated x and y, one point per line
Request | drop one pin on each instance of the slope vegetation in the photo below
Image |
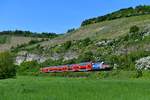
103	30
13	41
120	42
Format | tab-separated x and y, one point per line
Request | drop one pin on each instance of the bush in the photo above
86	41
51	62
139	73
3	39
29	67
134	29
85	57
33	42
7	68
67	45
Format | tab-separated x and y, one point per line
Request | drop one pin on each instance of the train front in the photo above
100	66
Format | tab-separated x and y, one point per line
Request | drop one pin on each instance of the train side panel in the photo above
82	67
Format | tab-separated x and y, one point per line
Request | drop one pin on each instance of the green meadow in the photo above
59	88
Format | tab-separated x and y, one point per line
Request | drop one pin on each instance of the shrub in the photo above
51	62
3	39
67	45
139	73
33	42
134	29
86	41
29	67
85	57
7	68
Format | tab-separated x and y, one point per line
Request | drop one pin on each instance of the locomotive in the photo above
82	67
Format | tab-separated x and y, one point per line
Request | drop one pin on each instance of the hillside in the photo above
104	30
122	13
12	39
109	41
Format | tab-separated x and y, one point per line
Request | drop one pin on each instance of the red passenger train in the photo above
82	67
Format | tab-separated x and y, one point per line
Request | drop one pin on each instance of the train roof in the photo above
82	64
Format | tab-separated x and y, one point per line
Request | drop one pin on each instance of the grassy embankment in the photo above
56	88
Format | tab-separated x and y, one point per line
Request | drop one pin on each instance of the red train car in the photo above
71	68
82	67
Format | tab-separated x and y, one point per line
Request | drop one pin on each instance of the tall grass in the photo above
46	88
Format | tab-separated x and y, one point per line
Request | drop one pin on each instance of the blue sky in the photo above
55	15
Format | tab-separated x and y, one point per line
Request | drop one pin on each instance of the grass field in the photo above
55	88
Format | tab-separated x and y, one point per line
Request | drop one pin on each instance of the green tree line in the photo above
127	12
30	34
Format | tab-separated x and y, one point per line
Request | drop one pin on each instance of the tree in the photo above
86	41
7	68
67	45
134	29
86	56
135	33
29	67
71	30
